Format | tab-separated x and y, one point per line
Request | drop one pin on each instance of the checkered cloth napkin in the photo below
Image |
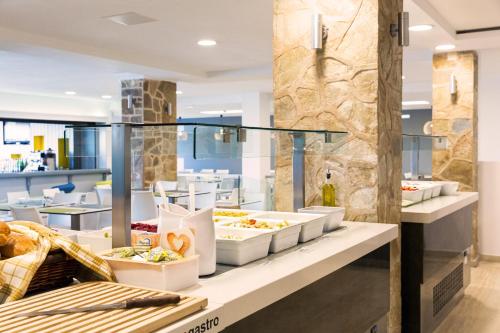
16	273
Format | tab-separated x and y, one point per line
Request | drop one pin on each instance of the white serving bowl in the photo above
334	215
449	187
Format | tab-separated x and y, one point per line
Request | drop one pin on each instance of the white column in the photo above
256	162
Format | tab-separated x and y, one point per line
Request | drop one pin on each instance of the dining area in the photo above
71	207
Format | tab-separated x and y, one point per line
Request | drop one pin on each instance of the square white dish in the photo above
247	246
334	215
449	187
312	224
413	196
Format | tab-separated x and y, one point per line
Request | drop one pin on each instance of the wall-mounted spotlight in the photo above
241	135
168	108
453	84
401	29
319	32
130	103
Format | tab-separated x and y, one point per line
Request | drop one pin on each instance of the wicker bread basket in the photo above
57	271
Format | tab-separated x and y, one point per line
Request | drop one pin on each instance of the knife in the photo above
127	304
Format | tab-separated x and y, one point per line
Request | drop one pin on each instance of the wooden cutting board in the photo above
142	320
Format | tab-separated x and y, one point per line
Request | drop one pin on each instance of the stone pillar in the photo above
154	149
455	116
352	84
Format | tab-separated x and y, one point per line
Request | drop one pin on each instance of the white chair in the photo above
205	200
90	221
91	198
13	197
168	185
27	214
50	193
232	200
61	198
143	206
222	171
73	198
104	196
207	171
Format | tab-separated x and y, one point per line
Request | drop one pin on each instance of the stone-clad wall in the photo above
353	84
456	118
154	148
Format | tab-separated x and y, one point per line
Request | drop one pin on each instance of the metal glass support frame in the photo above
121	179
298	167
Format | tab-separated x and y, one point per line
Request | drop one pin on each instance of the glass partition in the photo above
228	166
417	155
87	147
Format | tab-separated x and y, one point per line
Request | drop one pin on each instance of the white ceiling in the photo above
48	47
243	30
469	14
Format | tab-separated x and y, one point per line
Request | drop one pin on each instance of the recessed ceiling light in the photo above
129	18
412	103
445	47
207	42
106	96
405	116
178	92
71	93
233	111
421	27
403	77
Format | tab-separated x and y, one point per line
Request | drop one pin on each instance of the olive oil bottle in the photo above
328	191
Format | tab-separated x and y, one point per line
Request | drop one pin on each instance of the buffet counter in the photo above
349	263
436	236
432	210
35	182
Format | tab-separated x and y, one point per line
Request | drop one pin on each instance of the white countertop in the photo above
234	293
432	210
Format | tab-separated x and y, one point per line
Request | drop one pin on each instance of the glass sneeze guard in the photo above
417	154
164	148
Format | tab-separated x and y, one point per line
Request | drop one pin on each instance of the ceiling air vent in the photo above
130	18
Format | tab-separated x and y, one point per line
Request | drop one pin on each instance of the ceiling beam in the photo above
436	16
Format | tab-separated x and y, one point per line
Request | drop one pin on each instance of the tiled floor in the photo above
479	310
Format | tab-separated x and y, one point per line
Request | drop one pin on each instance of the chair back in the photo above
222	171
234	195
168	185
26	214
13	197
209	171
49	193
104	195
205	200
73	198
143	206
91	198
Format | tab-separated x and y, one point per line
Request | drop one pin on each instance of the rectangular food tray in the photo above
174	275
253	245
311	224
282	239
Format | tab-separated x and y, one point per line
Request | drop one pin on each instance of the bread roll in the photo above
4	233
17	245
